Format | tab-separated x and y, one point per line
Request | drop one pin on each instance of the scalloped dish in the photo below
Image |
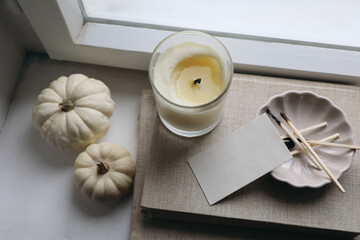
305	109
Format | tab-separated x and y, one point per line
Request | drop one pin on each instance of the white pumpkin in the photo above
73	112
104	172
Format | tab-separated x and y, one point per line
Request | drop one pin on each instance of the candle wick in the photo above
197	81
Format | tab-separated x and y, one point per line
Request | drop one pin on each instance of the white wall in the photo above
12	55
19	27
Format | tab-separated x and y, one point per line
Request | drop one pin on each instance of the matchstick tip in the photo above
284	116
273	116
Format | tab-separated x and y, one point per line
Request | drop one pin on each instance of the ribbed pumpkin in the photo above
104	172
73	112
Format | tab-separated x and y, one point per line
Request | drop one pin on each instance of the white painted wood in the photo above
330	22
11	6
131	47
49	25
38	197
72	16
11	60
19	26
243	52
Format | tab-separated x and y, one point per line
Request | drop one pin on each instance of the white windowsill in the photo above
131	47
248	55
308	21
39	199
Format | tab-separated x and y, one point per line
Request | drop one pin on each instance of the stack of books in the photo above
169	203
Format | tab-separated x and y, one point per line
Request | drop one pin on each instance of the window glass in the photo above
314	22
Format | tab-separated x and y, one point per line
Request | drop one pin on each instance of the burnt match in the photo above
312	152
291	135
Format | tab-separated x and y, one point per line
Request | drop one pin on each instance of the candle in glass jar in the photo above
190	73
198	80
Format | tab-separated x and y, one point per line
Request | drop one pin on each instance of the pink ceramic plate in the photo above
305	109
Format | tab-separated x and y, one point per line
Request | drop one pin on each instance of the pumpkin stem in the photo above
67	105
102	167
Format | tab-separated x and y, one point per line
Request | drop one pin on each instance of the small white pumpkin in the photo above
104	171
73	112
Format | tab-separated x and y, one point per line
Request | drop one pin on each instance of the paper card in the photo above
238	159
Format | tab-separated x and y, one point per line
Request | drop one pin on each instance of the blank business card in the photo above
238	159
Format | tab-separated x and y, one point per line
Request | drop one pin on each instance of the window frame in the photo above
67	35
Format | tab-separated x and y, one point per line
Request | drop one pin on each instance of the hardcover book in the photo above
166	188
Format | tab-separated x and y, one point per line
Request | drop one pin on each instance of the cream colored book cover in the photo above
165	186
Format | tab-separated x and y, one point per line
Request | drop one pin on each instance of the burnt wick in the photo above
197	81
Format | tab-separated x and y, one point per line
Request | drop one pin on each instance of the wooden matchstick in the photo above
316	126
327	139
340	145
291	135
311	150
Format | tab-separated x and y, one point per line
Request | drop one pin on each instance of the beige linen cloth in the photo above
164	180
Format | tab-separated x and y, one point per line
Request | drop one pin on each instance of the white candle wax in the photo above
190	79
178	68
